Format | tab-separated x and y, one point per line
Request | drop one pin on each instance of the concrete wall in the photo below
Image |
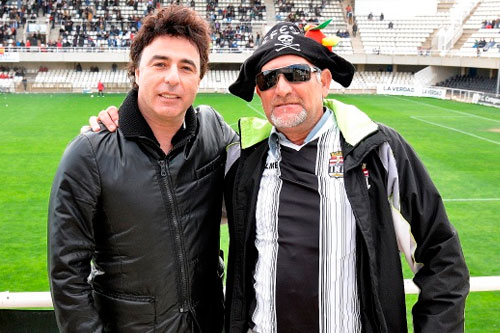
434	74
68	60
55	60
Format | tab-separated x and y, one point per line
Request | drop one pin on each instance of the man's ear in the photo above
136	76
257	90
326	80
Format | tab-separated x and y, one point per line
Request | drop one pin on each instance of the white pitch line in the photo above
446	109
474	199
442	116
257	111
456	130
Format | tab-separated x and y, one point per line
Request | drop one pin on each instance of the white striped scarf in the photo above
338	295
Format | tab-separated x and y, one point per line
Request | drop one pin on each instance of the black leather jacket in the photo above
148	222
396	194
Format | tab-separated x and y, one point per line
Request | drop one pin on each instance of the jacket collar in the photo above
133	124
354	124
357	129
360	134
253	130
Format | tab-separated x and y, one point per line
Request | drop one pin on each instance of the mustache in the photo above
286	100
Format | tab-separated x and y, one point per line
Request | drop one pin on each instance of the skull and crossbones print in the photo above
286	42
284	36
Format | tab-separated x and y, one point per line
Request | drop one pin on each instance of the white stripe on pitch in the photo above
260	113
455	129
445	109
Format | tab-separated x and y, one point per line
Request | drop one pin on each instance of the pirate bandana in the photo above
286	38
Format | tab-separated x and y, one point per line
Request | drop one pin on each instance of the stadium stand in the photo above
406	36
233	23
370	80
303	12
218	80
237	25
467	82
481	36
82	81
107	26
214	80
7	85
113	24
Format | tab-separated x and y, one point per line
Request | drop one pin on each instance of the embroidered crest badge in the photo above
336	165
366	174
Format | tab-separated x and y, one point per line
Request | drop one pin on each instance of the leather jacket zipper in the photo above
181	256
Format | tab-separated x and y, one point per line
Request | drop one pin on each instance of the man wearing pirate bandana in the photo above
324	199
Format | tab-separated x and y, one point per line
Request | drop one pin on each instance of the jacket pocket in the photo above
125	313
210	166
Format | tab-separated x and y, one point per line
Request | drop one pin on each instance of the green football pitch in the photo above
458	143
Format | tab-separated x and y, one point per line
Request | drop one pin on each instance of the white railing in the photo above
451	31
100	49
375	51
40	299
10	300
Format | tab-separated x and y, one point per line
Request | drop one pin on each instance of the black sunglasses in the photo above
293	73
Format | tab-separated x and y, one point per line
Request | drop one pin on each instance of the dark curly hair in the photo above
176	21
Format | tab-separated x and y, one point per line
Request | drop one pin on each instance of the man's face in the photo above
294	107
168	77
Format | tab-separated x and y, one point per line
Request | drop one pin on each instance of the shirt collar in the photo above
276	138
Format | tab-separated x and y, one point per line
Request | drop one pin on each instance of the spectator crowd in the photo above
491	24
312	14
232	25
114	23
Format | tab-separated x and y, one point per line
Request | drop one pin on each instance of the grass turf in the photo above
458	143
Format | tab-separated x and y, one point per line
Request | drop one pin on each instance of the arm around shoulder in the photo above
72	208
229	135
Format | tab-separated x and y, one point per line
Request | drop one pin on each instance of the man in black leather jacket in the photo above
323	203
134	215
